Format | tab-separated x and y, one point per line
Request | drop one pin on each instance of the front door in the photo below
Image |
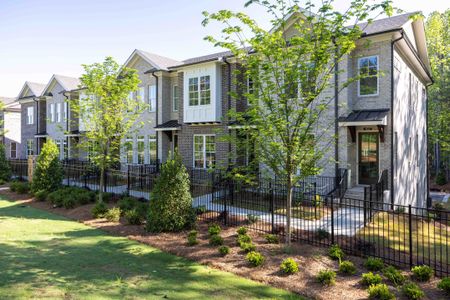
368	157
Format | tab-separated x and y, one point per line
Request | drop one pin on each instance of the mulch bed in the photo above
311	259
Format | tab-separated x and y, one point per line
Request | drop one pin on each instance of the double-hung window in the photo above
13	152
141	149
204	151
368	72
152	98
152	148
66	112
30	115
193	91
58	112
30	147
205	90
129	149
200	90
51	112
141	95
175	98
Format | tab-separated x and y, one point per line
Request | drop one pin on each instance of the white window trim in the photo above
204	150
129	141
151	138
32	147
30	117
58	112
199	91
66	111
52	112
174	88
150	108
378	77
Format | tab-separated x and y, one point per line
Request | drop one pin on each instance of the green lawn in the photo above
43	255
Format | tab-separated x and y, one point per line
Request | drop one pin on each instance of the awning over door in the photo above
168	126
367	117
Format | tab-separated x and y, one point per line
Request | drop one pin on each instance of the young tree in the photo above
438	42
48	174
108	113
5	168
290	75
171	201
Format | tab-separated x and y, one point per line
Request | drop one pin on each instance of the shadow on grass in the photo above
49	255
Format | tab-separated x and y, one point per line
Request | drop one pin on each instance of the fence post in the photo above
410	236
128	180
225	204
272	200
332	221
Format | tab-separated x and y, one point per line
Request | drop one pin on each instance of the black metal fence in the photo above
19	168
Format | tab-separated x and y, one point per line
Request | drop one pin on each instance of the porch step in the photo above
356	192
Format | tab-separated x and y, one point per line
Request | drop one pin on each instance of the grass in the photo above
43	255
392	231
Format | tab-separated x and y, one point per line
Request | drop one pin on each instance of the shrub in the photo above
289	266
322	234
216	240
440	178
255	258
374	264
243	238
69	197
241	230
272	239
327	277
192	238
41	195
48	174
19	187
113	214
347	267
422	273
68	202
380	291
214	229
106	197
171	206
126	203
370	279
412	291
200	209
252	218
394	275
99	210
335	252
5	168
224	250
134	217
248	247
444	285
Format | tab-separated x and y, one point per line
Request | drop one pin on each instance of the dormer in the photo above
202	93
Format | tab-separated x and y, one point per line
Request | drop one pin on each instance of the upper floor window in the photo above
66	112
175	98
30	115
368	72
141	95
205	90
250	88
152	98
51	112
193	91
58	112
200	90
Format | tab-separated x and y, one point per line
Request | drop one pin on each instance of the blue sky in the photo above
43	37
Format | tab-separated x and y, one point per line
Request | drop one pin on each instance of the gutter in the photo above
153	71
392	116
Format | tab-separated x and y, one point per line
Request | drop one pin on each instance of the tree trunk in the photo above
288	210
102	181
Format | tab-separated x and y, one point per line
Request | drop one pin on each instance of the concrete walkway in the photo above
347	221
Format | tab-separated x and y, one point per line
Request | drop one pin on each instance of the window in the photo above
30	147
13	150
175	98
51	112
141	149
129	150
65	149
58	112
193	91
152	148
141	94
250	88
66	112
205	90
152	98
204	151
368	72
58	145
30	115
130	100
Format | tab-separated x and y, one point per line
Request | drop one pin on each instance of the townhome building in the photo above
28	99
10	126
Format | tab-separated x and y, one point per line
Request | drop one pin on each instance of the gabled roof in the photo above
66	82
385	24
35	88
7	100
157	61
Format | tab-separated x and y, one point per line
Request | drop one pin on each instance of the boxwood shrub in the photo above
422	273
380	291
289	266
216	240
224	250
412	291
347	268
255	258
370	278
327	277
374	264
394	275
444	285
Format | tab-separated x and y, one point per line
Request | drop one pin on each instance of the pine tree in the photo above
171	200
48	174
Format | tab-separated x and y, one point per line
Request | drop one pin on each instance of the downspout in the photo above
427	174
392	116
336	117
67	123
157	112
224	59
